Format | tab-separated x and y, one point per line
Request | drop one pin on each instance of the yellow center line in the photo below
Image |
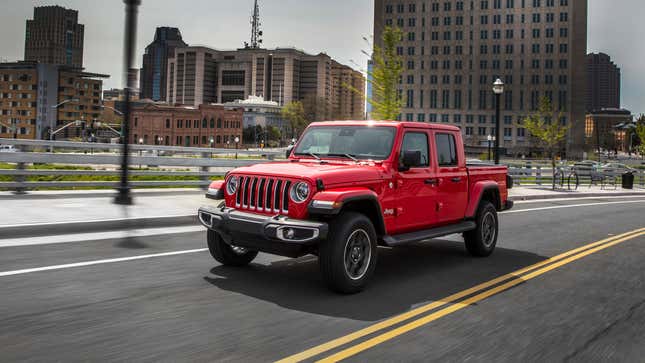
431	306
448	310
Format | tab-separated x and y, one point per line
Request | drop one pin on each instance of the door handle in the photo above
456	180
431	181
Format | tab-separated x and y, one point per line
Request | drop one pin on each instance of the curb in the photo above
59	228
573	196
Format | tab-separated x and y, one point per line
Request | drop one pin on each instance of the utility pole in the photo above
131	9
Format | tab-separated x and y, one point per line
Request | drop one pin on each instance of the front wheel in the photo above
481	241
348	256
226	254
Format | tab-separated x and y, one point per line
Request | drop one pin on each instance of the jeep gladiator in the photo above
348	187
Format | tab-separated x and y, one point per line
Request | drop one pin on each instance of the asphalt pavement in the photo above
161	297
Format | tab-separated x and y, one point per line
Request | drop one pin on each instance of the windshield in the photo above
360	142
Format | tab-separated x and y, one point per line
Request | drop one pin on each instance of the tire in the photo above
226	254
481	241
348	257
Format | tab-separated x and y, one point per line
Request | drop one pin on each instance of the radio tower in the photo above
256	33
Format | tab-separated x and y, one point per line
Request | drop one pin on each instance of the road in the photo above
162	297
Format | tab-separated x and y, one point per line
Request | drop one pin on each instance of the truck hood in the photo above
332	173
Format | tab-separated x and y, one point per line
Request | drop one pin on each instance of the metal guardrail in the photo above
105	156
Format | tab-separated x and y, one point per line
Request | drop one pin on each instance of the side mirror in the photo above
288	151
411	159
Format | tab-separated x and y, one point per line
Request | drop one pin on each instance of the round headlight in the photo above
231	185
299	192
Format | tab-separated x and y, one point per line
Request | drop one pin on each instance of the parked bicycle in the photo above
570	176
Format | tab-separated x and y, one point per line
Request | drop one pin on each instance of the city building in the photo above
369	89
348	93
603	81
258	112
453	51
198	75
36	98
153	74
601	129
54	36
118	94
160	124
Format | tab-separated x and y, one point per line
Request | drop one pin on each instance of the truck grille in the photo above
261	194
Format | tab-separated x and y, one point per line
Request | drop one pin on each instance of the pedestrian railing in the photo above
565	176
37	164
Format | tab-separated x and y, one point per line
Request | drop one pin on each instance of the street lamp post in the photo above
211	141
237	140
498	89
131	9
489	138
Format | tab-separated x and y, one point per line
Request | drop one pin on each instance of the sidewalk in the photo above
545	192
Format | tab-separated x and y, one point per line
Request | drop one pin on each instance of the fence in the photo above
198	161
538	175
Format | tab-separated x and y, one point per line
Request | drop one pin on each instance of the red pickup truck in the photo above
351	186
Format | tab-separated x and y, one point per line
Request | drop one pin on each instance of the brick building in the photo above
30	90
161	124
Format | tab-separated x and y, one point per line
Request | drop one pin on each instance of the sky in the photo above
336	27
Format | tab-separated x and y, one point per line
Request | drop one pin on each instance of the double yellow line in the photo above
479	292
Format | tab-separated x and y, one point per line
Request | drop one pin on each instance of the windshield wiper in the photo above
314	155
349	156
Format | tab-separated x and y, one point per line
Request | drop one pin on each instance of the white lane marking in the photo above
572	206
94	221
86	237
582	198
97	262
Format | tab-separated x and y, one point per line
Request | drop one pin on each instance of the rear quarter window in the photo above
446	149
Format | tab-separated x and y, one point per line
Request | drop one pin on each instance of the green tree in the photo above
273	133
294	112
640	133
545	126
388	67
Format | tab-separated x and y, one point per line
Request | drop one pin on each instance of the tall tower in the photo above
256	33
54	36
155	62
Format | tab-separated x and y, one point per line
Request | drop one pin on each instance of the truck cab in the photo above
348	187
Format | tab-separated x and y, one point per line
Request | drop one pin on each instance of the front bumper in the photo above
272	234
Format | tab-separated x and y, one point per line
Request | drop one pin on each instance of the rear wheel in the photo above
226	254
348	256
481	241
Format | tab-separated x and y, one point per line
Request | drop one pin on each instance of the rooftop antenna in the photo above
256	33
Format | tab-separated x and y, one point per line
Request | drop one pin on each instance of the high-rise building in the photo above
155	63
54	36
454	50
603	85
198	75
30	92
348	93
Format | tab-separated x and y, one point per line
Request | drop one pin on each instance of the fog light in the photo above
289	233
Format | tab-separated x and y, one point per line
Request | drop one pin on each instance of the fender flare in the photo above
216	190
477	192
332	202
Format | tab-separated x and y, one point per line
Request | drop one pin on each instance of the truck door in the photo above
416	192
452	178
